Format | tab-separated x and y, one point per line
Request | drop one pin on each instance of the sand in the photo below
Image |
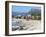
29	24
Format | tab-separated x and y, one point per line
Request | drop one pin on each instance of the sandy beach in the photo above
27	24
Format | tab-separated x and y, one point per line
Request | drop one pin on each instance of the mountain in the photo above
19	13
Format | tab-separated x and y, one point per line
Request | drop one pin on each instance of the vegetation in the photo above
36	14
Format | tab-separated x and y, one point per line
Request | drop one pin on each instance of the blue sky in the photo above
20	8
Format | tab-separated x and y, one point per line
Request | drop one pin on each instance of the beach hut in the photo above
28	17
33	17
38	17
22	17
19	16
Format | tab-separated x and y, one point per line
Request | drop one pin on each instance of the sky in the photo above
20	8
23	10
